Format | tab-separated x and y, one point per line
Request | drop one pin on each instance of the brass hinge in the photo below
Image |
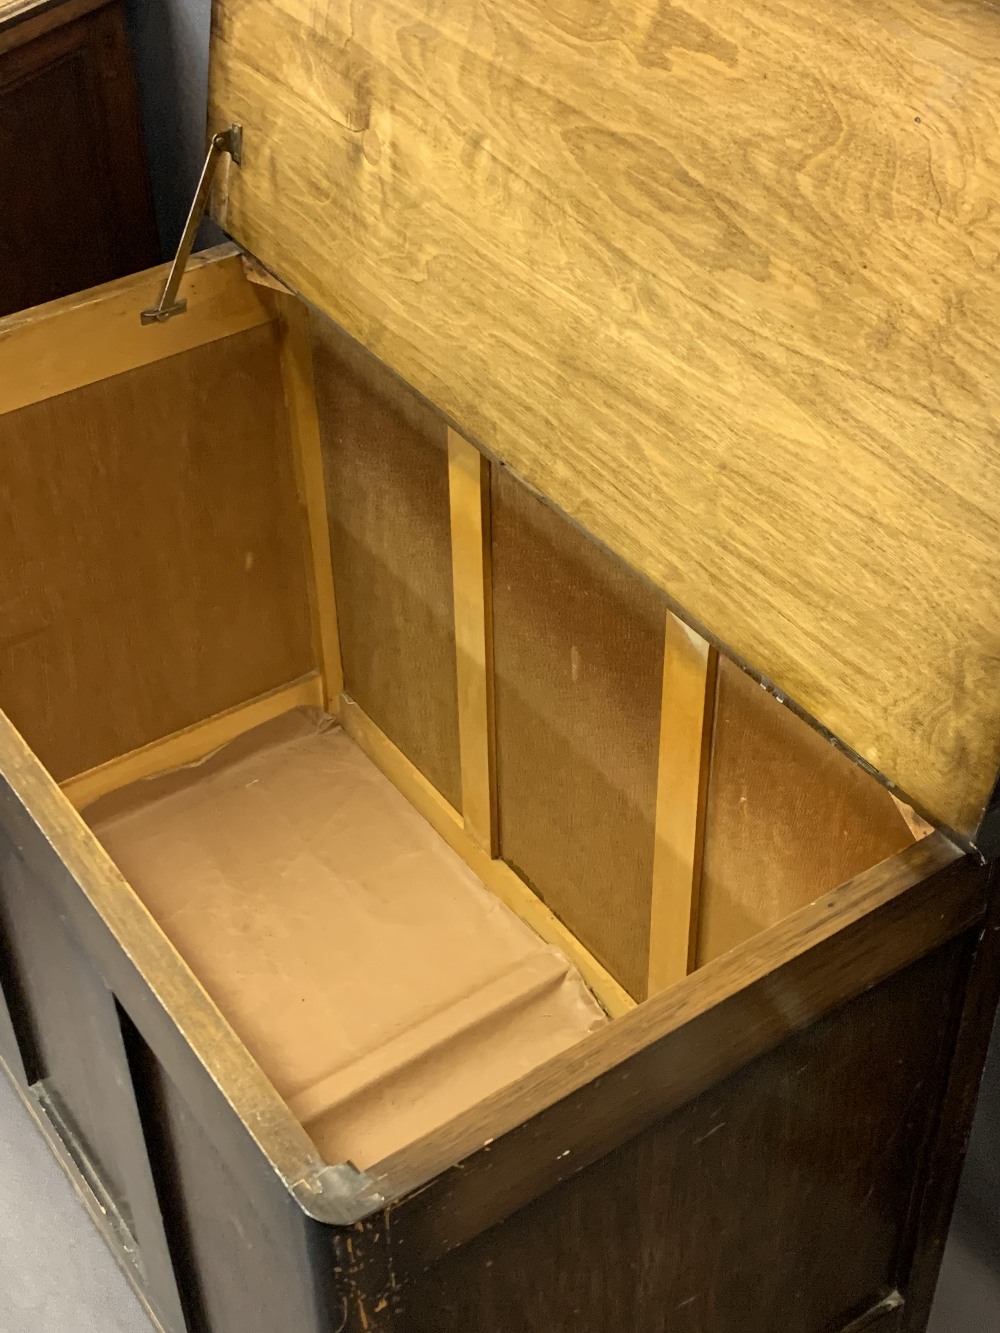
226	141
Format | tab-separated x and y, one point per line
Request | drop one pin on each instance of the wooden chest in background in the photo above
77	208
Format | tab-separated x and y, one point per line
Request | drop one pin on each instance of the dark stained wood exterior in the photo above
670	1050
77	209
931	1215
822	1136
10	1052
242	1263
72	1046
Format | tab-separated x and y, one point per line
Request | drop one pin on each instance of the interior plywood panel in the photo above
578	643
788	816
387	496
152	559
717	279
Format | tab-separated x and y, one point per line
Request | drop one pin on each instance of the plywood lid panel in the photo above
720	281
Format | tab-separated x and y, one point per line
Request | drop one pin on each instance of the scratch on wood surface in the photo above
714	1130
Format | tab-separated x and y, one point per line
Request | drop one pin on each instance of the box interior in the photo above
376	980
380	986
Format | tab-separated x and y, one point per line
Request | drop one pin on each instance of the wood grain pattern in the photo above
193	743
153	570
498	877
787	817
472	579
578	668
686	711
777	1200
387	495
753	352
80	339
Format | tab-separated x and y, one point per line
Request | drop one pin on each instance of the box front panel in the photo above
71	1044
10	1051
246	1263
779	1199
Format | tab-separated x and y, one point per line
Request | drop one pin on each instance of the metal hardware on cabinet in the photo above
226	141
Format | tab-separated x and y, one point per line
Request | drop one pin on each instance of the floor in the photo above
968	1294
56	1276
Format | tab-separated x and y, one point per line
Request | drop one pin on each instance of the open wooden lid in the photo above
721	281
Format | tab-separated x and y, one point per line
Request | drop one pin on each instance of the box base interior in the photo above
380	987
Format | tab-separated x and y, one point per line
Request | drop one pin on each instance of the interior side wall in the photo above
578	642
788	817
387	495
152	570
577	684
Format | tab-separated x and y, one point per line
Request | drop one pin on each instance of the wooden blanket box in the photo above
465	874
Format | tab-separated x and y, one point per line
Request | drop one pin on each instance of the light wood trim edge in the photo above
307	454
686	713
496	875
93	335
191	744
469	499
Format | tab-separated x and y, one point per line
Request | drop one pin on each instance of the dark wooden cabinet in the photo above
76	204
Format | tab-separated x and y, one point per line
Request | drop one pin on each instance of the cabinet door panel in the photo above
77	207
75	1057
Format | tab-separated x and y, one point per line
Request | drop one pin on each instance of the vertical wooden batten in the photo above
307	453
689	670
469	493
